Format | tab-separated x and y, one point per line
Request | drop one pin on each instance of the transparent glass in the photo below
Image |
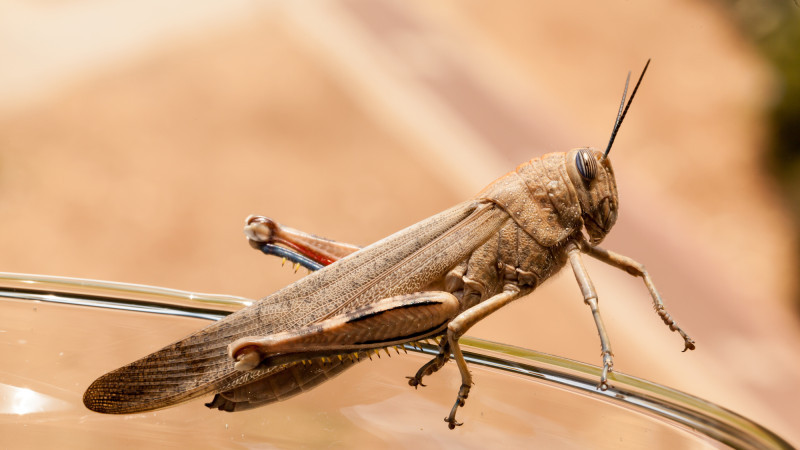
59	334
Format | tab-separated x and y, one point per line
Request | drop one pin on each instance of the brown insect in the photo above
434	279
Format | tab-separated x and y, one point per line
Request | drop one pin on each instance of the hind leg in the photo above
301	248
388	322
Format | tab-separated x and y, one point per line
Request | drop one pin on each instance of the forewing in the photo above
404	262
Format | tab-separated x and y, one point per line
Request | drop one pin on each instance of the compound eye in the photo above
587	164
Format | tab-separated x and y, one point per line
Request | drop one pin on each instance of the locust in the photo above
432	280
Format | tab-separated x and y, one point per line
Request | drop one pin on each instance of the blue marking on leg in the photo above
291	255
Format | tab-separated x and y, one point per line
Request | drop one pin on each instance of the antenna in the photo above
621	113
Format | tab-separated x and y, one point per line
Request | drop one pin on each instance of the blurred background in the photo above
135	137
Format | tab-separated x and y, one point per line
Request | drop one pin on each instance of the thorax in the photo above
511	256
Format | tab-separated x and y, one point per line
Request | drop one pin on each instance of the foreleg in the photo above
638	270
590	298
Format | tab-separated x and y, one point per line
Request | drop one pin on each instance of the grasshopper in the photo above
434	279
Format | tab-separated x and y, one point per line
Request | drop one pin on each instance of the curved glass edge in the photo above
115	295
704	417
699	415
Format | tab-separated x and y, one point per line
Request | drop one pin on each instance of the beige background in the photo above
136	136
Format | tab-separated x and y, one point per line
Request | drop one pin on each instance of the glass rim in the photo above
667	404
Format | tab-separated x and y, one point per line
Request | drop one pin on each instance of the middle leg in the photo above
458	326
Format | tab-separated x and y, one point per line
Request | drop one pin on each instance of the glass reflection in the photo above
21	401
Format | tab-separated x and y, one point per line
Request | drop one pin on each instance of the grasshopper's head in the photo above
593	177
594	182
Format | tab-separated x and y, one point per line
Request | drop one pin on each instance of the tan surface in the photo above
133	152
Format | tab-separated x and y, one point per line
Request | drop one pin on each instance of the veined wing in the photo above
404	262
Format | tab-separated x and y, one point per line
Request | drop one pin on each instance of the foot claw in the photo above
608	366
451	423
413	381
461	399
